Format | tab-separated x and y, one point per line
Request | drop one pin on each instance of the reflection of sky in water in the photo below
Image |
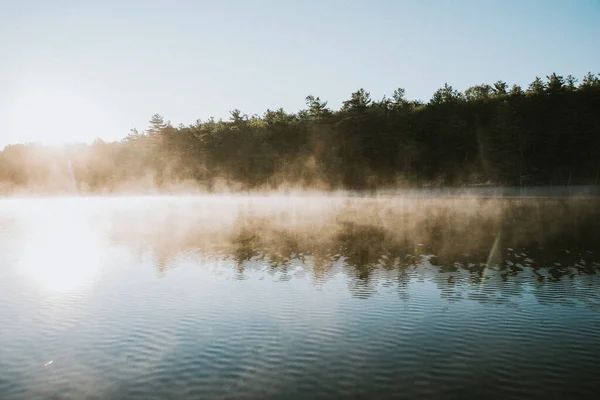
128	318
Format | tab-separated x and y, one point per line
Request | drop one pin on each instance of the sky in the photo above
80	70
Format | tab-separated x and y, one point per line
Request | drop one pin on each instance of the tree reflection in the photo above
485	249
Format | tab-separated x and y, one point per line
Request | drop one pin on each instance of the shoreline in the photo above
538	192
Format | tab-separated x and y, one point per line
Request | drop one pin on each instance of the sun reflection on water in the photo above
62	250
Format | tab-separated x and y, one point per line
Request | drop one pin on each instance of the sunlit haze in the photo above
74	71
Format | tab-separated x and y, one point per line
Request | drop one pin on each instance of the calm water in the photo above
299	297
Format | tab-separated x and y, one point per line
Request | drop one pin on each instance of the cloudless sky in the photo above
77	70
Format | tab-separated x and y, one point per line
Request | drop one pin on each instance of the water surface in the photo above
299	297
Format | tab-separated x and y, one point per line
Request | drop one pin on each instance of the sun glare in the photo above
61	250
55	116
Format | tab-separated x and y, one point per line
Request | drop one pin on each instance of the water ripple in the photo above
369	304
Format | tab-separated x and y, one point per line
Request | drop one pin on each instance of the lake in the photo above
301	296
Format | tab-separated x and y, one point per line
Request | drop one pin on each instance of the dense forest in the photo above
546	134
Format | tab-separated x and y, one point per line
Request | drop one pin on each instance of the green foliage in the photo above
590	81
516	90
317	109
555	83
479	92
359	101
501	88
398	98
537	86
548	135
571	83
447	94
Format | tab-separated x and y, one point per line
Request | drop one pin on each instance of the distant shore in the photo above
463	191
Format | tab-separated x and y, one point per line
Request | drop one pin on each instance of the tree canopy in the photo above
548	134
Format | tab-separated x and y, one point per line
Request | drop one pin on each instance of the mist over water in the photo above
299	296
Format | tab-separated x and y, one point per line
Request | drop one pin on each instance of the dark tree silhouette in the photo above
546	135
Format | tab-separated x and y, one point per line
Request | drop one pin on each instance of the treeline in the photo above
546	134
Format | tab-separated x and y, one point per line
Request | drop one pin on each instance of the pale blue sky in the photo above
76	70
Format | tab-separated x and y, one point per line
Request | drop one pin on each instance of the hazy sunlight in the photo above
62	252
53	115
